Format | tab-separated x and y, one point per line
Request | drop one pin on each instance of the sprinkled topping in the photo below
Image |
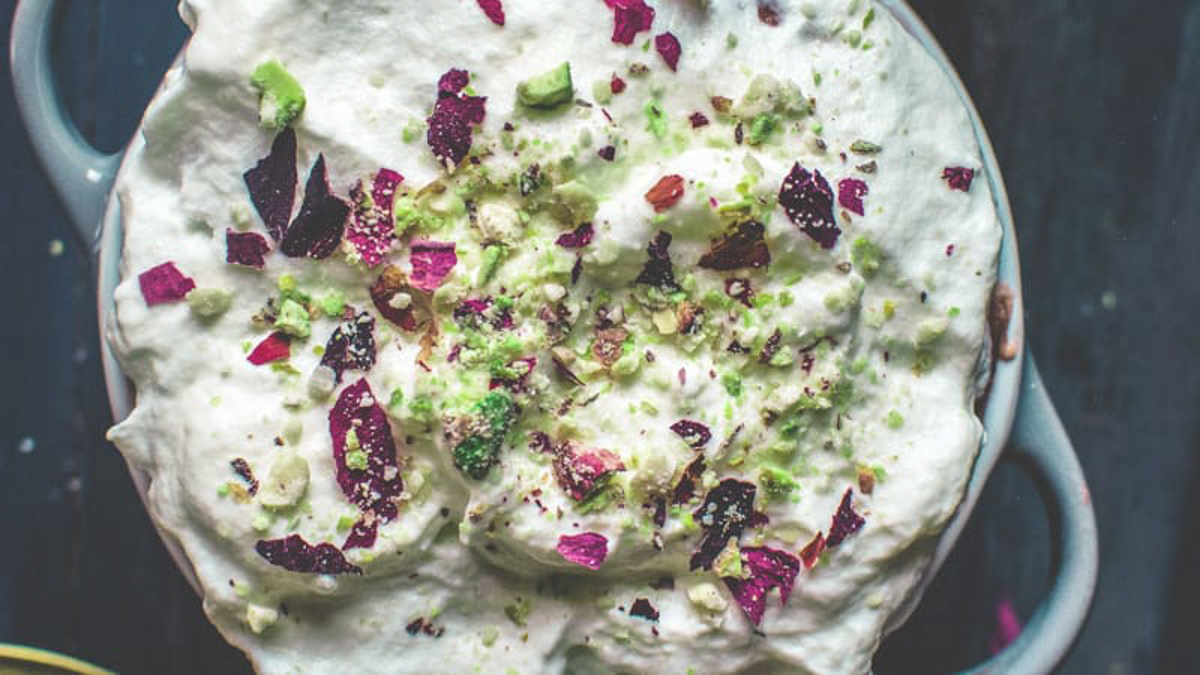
164	284
845	522
808	201
767	568
850	194
588	549
272	183
246	248
317	230
642	609
666	192
449	133
658	271
351	347
727	510
371	230
580	472
296	555
693	433
275	347
743	246
358	424
494	10
577	238
431	262
630	18
667	46
959	177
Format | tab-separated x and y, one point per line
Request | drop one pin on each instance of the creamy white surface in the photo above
369	69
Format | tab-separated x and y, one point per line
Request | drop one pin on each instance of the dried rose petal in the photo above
771	348
608	153
494	10
607	347
580	471
808	201
472	311
362	535
588	549
698	119
768	12
630	18
666	193
275	347
375	488
959	177
400	302
317	229
164	283
845	522
693	433
642	609
739	289
769	568
850	194
741	247
453	81
272	183
577	238
667	46
246	248
371	230
351	347
431	262
811	553
294	554
449	134
617	85
658	271
685	489
727	510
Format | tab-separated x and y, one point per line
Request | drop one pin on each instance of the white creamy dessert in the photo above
661	359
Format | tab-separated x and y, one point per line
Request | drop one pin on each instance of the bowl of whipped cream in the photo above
606	336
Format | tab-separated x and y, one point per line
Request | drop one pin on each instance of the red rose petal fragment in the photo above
246	248
769	568
617	85
580	471
744	246
698	119
294	554
959	177
808	201
739	289
608	153
449	133
667	46
362	535
473	311
317	229
431	262
385	293
164	283
588	549
351	347
666	193
577	238
494	10
375	487
693	433
630	18
727	510
685	489
658	271
811	553
845	522
768	12
242	468
642	609
850	194
371	230
272	183
275	347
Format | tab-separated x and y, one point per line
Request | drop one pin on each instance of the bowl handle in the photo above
80	175
1040	444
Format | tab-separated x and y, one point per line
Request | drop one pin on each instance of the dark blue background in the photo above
1095	113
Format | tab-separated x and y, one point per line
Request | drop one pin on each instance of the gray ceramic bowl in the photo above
1019	414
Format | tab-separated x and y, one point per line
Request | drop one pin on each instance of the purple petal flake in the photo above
742	246
608	153
521	369
375	487
810	555
740	289
294	554
693	433
588	549
642	609
630	18
727	510
275	347
449	134
246	248
658	271
667	46
698	119
317	229
768	568
580	471
362	535
472	311
431	262
850	194
351	347
808	201
959	177
494	11
272	183
845	522
163	284
685	489
577	238
371	230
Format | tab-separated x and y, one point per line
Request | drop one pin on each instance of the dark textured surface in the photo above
1094	112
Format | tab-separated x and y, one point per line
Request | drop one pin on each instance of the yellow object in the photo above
17	660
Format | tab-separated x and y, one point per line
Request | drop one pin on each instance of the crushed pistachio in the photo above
866	255
281	98
656	119
518	611
332	303
894	420
208	304
294	319
548	90
862	147
285	483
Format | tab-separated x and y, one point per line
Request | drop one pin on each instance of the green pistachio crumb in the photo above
869	18
889	309
356	460
489	636
656	119
866	255
286	481
332	304
953	312
281	98
293	319
732	384
518	611
208	304
854	38
548	90
894	420
776	481
862	147
761	128
731	41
